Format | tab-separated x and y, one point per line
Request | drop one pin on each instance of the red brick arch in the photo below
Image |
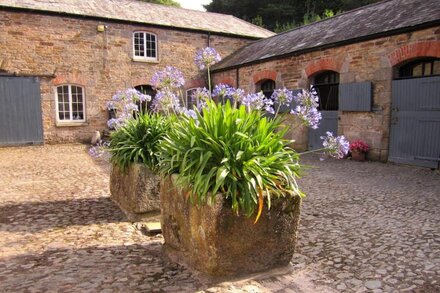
227	80
322	65
411	51
70	78
265	74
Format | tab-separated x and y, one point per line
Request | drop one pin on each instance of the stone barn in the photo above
60	61
376	69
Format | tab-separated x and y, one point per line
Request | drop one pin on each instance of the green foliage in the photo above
137	141
163	2
238	153
258	20
279	14
279	28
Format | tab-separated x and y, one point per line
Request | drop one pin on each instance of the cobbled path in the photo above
365	227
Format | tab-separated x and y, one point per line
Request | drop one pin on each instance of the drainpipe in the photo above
209	39
237	77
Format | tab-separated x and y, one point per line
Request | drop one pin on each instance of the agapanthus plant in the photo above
199	97
166	102
168	83
307	108
125	104
336	147
223	92
169	79
205	58
281	97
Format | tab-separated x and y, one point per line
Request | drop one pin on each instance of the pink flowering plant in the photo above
359	146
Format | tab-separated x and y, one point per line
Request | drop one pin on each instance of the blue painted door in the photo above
20	111
415	122
329	122
327	89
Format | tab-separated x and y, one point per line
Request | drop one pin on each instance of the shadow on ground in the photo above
34	217
139	268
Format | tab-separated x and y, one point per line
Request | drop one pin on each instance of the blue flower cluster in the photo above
336	147
168	79
307	108
125	104
207	57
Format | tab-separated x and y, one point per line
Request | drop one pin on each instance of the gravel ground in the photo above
365	227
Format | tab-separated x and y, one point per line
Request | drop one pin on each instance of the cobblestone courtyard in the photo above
366	227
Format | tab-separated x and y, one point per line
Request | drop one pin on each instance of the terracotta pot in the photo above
135	191
358	156
214	240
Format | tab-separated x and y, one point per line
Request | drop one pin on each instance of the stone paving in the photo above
366	227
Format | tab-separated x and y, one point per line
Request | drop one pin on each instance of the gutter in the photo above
332	45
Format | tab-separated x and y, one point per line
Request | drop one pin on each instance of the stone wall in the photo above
70	50
372	60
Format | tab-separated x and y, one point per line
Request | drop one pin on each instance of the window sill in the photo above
71	124
143	60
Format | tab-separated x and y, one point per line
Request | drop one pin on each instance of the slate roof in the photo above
381	18
148	13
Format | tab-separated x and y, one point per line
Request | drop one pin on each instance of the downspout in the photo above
209	39
237	77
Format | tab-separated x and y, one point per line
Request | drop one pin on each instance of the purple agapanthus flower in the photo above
100	150
223	90
282	96
130	95
189	113
207	57
238	95
307	108
254	101
269	106
124	104
168	79
166	101
115	123
336	147
199	97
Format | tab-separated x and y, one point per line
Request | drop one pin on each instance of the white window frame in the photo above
146	58
188	97
71	121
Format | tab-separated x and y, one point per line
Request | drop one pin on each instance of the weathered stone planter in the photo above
214	240
136	191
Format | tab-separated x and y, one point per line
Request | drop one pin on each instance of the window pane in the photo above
151	45
436	69
417	70
427	68
139	49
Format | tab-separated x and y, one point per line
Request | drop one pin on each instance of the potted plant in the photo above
230	203
134	184
358	149
222	172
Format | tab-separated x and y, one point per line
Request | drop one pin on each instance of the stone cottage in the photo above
60	61
376	69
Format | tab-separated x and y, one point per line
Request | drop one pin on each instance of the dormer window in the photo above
144	46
